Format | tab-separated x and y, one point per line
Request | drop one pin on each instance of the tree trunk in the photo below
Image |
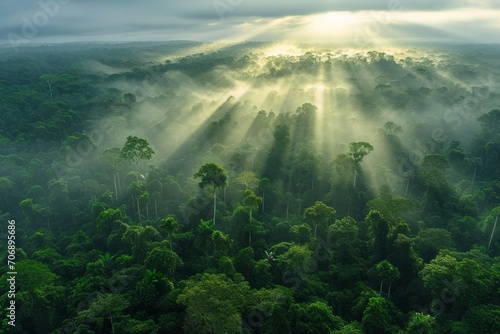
263	203
156	210
119	183
492	232
147	211
138	208
315	230
381	285
407	185
250	230
116	188
215	204
287	207
473	177
355	177
389	293
50	89
112	325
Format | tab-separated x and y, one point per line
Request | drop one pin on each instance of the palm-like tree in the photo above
135	150
251	202
169	225
114	158
221	241
203	240
211	174
386	271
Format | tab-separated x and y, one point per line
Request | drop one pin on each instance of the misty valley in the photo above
256	187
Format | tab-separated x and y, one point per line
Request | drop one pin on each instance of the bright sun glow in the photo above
282	49
338	25
319	87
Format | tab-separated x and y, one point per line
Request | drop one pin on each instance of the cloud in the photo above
207	20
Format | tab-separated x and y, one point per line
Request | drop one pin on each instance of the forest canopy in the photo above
181	188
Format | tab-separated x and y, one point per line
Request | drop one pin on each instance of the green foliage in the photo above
164	260
136	149
211	174
479	319
248	179
301	232
359	150
378	228
352	328
296	261
421	323
435	162
141	240
464	281
106	219
47	256
386	271
32	275
211	299
430	241
392	208
392	128
319	215
106	307
312	318
429	196
170	226
376	317
251	201
491	121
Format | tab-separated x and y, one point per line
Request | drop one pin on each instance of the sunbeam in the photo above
231	166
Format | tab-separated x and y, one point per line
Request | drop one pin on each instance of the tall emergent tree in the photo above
386	271
319	214
114	158
169	225
214	304
252	203
211	174
493	212
358	150
135	150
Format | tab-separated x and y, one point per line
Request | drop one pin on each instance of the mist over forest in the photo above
188	187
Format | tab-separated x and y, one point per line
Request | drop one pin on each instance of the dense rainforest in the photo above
186	187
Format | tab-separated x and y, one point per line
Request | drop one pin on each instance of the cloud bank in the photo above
464	21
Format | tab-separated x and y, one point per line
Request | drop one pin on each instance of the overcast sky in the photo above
460	21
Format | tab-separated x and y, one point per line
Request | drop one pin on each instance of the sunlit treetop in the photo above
136	149
211	174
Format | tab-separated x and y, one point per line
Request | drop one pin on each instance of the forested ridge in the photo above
251	188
